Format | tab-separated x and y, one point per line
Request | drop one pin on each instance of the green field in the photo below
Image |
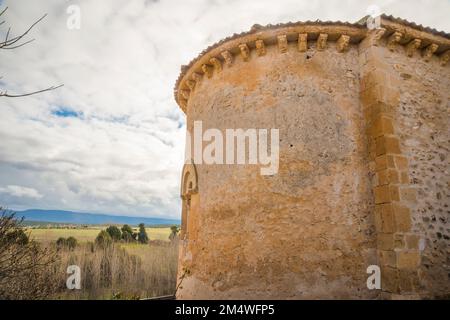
87	234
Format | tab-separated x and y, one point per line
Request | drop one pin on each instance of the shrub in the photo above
142	234
127	228
174	234
127	233
61	242
103	238
114	232
71	243
26	268
128	237
18	236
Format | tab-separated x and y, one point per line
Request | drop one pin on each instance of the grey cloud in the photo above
125	154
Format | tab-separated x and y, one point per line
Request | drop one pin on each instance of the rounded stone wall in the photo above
306	231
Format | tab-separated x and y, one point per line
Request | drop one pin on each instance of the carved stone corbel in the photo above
183	103
445	57
207	70
394	39
190	84
412	47
185	94
282	43
228	57
377	36
260	47
196	76
245	51
342	43
302	42
217	64
322	41
429	51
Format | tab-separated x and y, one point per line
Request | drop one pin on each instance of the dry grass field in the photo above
121	271
87	234
117	271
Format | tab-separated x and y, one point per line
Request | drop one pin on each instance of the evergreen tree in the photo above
127	233
142	235
114	232
103	238
71	243
174	233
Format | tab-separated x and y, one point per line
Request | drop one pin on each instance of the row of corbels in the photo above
216	64
227	57
412	46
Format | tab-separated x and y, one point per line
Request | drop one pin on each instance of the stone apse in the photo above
363	179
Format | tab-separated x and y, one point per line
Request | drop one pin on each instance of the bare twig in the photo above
8	43
13	43
6	94
19	45
4	10
186	272
7	34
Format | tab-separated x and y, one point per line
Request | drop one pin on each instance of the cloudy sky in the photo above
112	139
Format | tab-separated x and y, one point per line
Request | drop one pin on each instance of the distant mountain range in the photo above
60	216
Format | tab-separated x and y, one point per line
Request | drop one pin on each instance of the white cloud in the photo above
124	152
19	191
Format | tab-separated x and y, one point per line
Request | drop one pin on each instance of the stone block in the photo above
401	162
386	218
381	126
377	217
412	241
388	176
399	241
372	79
402	217
405	280
387	144
384	162
394	193
408	194
408	259
404	177
381	108
385	241
371	96
382	194
388	258
391	96
389	279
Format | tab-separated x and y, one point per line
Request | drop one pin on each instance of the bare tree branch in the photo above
11	44
4	10
5	44
6	94
7	34
19	45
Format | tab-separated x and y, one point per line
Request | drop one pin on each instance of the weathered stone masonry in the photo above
364	141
